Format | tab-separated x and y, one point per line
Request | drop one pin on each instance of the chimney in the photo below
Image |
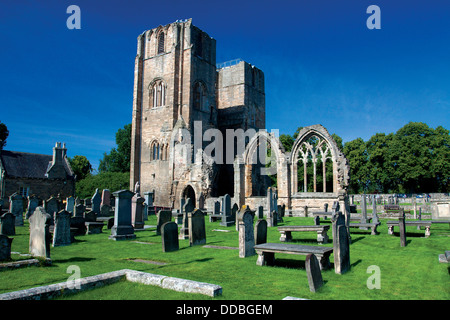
59	153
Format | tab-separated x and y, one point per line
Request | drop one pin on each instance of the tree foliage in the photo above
80	166
4	133
112	181
118	160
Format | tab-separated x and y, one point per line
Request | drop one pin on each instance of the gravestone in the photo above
169	237
70	204
216	208
16	208
269	202
317	220
325	207
341	244
402	227
364	211
260	231
79	210
227	218
90	216
88	202
137	215
313	273
374	212
163	217
106	198
96	201
122	229
52	207
246	232
33	203
261	212
5	247
8	225
61	232
40	237
105	210
78	223
270	218
197	230
187	208
149	196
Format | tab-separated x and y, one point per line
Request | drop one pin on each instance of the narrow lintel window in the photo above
161	42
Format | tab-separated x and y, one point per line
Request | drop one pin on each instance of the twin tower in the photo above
177	83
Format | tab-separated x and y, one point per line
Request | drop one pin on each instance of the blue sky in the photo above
322	65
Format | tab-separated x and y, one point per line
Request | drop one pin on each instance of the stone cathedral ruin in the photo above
198	131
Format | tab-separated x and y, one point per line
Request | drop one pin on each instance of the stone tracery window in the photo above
158	94
161	42
200	100
154	151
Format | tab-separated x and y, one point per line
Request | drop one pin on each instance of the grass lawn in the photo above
412	272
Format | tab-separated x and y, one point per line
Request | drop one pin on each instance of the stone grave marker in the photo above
313	273
260	231
52	207
137	215
402	227
79	210
227	217
106	198
187	208
261	212
197	229
163	216
40	238
33	203
16	208
5	247
70	204
341	244
8	225
246	232
374	212
96	200
122	229
169	237
61	233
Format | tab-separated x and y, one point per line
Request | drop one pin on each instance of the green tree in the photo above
118	160
4	133
379	168
112	181
356	154
440	166
80	166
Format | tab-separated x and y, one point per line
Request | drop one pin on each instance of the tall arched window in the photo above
154	151
158	94
161	42
199	96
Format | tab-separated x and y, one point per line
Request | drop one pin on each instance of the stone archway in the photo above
189	192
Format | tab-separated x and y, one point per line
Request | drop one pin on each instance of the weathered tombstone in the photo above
402	227
106	198
61	232
163	217
269	203
16	208
5	247
169	237
79	210
261	212
313	273
270	218
122	229
279	217
364	211
197	230
8	225
317	220
137	216
33	203
79	224
96	200
51	207
246	233
105	210
90	216
260	231
187	208
149	201
227	218
70	204
216	208
40	237
88	202
374	212
325	208
341	244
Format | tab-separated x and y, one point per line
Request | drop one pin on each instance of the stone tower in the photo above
179	93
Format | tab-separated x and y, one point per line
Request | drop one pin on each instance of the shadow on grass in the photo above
411	234
74	259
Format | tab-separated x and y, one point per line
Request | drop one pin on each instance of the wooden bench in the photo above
426	224
266	253
372	226
286	232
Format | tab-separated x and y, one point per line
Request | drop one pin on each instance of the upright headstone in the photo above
40	238
227	218
33	203
269	203
70	204
96	200
341	244
79	210
5	247
122	229
402	227
187	208
169	236
374	212
106	197
313	273
149	196
260	231
16	207
261	212
270	218
197	230
216	208
325	208
163	217
8	225
317	220
52	207
105	210
61	232
364	211
137	215
246	233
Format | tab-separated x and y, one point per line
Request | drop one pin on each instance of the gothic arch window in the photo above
161	42
157	94
199	96
155	151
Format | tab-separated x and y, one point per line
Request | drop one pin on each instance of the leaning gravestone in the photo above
96	201
52	207
313	273
187	208
197	230
374	212
163	217
261	231
33	203
246	233
402	227
105	210
5	247
8	225
122	229
70	204
61	233
341	244
169	237
40	237
16	208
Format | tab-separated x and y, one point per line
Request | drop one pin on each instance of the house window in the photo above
161	43
23	191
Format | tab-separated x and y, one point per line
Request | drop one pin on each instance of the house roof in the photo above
28	165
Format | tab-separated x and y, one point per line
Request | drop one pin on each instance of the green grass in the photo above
412	272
